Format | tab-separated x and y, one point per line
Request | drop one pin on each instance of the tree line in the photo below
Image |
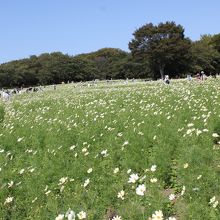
155	50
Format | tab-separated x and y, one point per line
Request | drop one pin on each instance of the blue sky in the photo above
32	27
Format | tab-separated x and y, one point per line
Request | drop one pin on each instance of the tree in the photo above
161	46
106	61
216	42
205	55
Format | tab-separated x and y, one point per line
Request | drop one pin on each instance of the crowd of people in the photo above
199	76
6	94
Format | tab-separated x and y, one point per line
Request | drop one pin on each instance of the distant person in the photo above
202	75
198	76
189	77
5	95
166	79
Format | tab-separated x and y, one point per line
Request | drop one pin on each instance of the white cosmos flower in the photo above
84	150
32	170
140	190
10	184
72	147
133	178
153	180
171	218
183	190
172	197
81	215
120	134
198	132
20	139
212	200
87	181
158	215
89	170
125	143
153	168
8	200
21	171
215	135
62	180
121	194
104	153
116	170
117	218
215	204
70	215
60	217
185	165
189	131
199	177
62	188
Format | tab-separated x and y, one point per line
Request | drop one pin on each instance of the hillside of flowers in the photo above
113	151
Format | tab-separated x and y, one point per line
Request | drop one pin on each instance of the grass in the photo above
139	124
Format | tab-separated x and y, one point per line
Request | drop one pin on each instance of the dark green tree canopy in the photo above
155	50
216	42
205	55
162	45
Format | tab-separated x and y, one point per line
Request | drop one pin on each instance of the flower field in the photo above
135	151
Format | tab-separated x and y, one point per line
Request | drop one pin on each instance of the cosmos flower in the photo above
121	194
153	180
86	183
125	143
104	153
62	180
215	135
215	204
183	190
172	197
70	215
81	215
21	171
133	178
72	147
10	184
116	170
20	139
89	170
8	200
199	177
185	165
212	200
158	215
153	168
140	190
171	218
117	218
60	217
